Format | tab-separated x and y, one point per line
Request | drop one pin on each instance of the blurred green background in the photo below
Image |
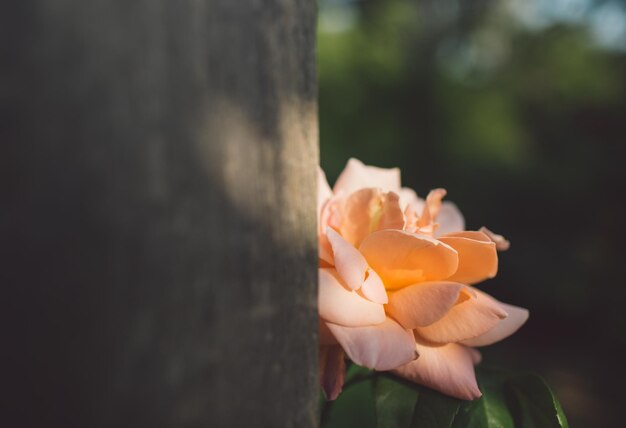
518	108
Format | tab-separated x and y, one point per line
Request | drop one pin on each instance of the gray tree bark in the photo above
157	226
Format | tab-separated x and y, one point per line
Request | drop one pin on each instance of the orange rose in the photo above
395	282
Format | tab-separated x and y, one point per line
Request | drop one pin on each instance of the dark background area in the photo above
518	108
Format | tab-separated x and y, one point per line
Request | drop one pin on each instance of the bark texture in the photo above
158	164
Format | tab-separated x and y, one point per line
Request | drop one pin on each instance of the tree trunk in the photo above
158	229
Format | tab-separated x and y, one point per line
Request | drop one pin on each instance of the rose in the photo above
395	284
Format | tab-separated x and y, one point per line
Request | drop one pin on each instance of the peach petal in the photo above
323	190
403	258
412	206
380	347
448	369
324	264
390	215
356	176
476	355
478	257
368	210
410	220
324	216
326	337
374	289
339	305
422	304
449	219
431	208
434	201
517	317
475	314
349	262
408	198
501	242
324	253
469	234
354	215
332	370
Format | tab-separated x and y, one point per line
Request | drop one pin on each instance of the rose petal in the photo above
470	234
433	205
501	242
476	355
422	304
449	219
412	206
475	314
380	347
326	337
323	190
354	215
353	269
389	215
478	258
448	369
324	264
374	289
408	198
403	258
332	370
339	305
349	262
368	210
517	317
323	196
324	250
356	176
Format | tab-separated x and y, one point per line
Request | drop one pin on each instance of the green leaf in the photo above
490	410
382	400
402	404
355	405
395	402
435	410
533	403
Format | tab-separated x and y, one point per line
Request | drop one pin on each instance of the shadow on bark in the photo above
158	213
